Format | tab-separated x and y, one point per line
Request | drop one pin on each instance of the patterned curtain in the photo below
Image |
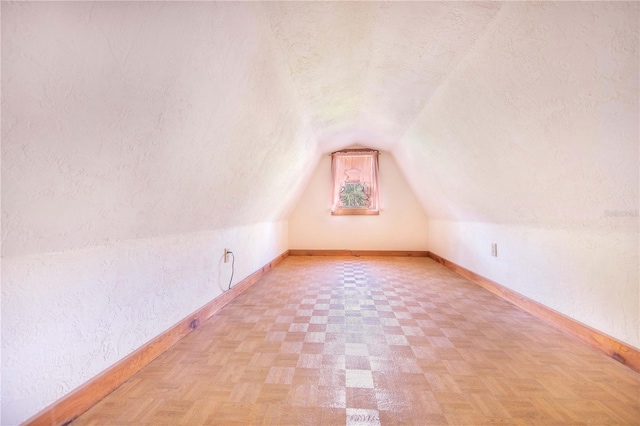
355	180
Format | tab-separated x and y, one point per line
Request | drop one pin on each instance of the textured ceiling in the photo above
538	124
131	120
369	68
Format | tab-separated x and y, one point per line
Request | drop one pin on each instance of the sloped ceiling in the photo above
372	67
130	120
512	113
537	124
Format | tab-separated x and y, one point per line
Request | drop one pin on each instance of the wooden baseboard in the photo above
620	351
357	253
68	408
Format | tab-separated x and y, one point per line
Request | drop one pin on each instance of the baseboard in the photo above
69	407
620	351
399	253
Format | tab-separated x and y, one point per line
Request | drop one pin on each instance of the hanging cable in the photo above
233	267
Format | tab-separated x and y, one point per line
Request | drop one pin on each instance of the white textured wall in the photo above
129	162
538	124
588	274
532	142
67	316
141	138
401	224
131	120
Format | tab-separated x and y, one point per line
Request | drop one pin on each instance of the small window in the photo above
355	182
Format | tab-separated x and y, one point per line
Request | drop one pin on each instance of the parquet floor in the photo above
367	341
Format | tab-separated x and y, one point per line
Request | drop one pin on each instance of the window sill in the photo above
355	212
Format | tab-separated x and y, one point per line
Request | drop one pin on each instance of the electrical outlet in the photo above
494	249
226	255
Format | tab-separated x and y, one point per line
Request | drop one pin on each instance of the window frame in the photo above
336	209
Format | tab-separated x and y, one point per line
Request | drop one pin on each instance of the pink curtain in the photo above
352	166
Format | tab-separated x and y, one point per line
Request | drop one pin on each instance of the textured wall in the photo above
67	316
401	225
532	142
141	138
133	120
538	124
590	275
138	141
